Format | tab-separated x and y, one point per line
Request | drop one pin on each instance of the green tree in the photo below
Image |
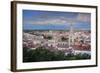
64	39
43	54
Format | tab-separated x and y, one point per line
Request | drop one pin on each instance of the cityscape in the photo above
58	40
55	36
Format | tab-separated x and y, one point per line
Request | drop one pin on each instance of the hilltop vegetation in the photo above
43	54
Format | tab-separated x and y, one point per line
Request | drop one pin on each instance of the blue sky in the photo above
52	20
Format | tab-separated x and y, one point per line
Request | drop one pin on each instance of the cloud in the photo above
81	17
46	21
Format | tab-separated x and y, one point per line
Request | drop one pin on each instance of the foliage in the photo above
48	37
64	39
42	54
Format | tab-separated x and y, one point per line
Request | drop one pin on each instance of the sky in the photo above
54	20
